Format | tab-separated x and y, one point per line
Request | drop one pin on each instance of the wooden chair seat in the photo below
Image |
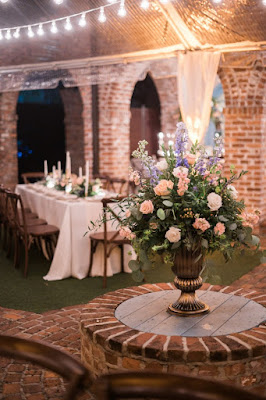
34	221
40	230
99	236
28	213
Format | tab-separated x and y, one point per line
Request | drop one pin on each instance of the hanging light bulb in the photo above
40	30
54	27
264	2
17	33
4	1
164	1
8	35
30	32
68	25
82	21
102	16
217	1
122	11
58	1
145	4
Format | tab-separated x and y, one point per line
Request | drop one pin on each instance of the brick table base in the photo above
109	345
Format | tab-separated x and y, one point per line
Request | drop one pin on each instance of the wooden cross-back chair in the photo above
26	232
118	185
109	239
30	177
3	215
49	357
155	385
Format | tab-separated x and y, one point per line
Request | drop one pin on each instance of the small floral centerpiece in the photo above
73	184
185	208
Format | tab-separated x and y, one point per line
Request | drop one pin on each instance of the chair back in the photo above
16	215
29	177
105	180
118	185
107	209
47	356
153	385
3	205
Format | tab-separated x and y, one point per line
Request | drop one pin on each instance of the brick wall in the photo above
8	139
85	92
167	90
114	126
244	91
74	136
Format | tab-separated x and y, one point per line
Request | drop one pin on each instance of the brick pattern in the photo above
108	345
74	131
85	92
168	94
61	327
8	139
245	134
114	127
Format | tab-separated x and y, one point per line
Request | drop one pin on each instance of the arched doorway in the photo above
40	129
145	115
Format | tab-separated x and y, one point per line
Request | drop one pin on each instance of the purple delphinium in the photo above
181	144
200	165
217	152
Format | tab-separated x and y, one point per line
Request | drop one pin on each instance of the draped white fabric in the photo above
196	77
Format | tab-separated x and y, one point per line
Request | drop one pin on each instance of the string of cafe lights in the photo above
32	29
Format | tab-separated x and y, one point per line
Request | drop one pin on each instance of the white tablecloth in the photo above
72	216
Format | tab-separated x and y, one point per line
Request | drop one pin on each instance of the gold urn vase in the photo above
187	267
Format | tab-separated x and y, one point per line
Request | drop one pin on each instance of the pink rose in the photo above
191	158
163	188
126	233
219	229
153	225
173	234
146	207
250	219
202	224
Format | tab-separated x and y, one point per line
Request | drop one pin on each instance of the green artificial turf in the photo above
36	295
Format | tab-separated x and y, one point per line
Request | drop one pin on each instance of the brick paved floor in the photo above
61	327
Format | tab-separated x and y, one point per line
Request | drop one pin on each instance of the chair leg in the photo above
16	238
26	259
9	242
122	258
93	249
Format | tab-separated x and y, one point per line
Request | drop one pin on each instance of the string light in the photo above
122	11
145	4
8	35
54	27
102	16
217	1
68	25
264	2
164	1
14	31
82	21
4	1
17	33
30	32
40	30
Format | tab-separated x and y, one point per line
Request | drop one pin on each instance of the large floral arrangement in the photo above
184	200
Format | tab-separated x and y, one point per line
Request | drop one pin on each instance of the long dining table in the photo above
72	216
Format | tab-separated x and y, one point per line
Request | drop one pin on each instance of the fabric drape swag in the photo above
196	78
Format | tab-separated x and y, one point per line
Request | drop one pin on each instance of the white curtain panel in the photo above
197	71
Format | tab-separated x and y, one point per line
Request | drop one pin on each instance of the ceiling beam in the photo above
189	41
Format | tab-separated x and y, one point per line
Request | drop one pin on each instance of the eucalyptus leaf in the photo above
233	226
255	240
204	243
134	265
137	276
168	203
222	218
161	214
